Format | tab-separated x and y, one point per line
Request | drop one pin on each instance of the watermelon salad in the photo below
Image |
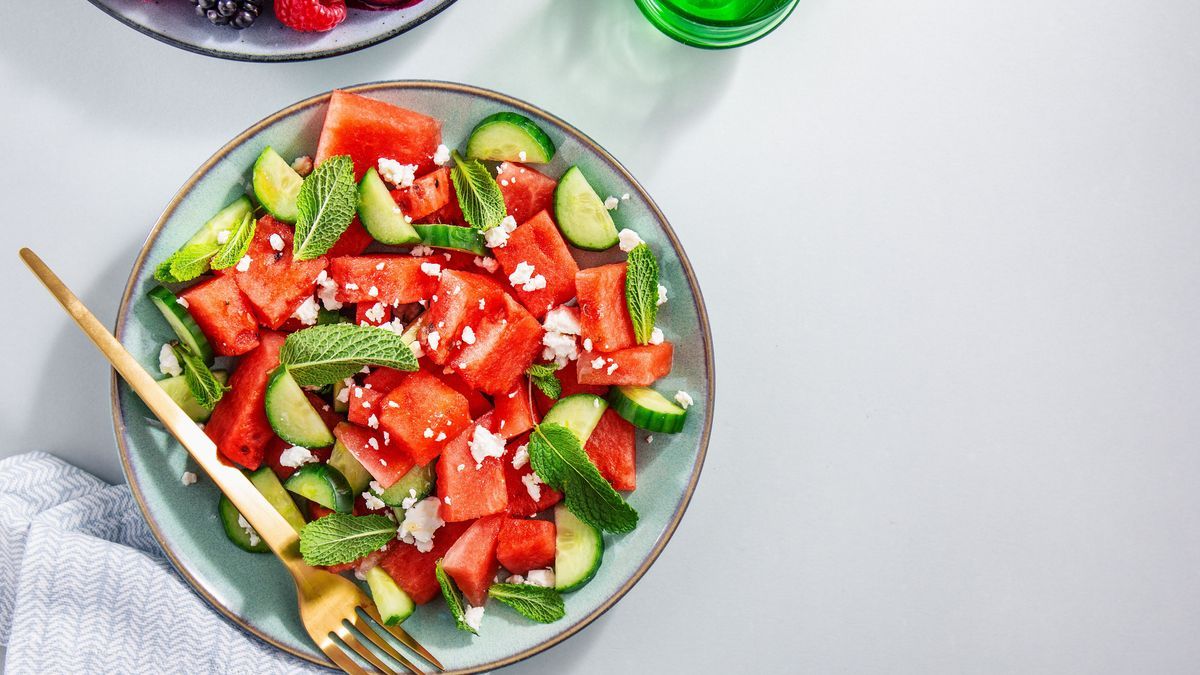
396	340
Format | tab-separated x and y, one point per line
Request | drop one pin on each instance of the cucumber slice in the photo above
234	530
269	486
177	388
356	475
647	409
328	316
291	415
581	215
452	237
380	214
418	479
502	137
579	413
181	321
227	220
393	603
338	404
324	485
276	185
578	550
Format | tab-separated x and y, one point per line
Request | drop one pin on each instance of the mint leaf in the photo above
341	538
641	291
205	386
450	593
543	605
557	456
544	378
325	207
162	273
479	196
192	260
331	353
239	242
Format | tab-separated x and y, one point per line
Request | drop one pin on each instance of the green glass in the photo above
716	24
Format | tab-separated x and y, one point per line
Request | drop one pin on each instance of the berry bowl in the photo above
253	591
237	33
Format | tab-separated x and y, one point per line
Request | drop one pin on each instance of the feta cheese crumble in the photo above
533	485
372	502
373	422
421	520
598	363
684	399
251	535
524	278
244	263
629	239
662	295
473	616
611	203
497	237
168	363
376	313
327	291
421	251
520	456
468	335
522	156
307	312
587	344
223	236
488	264
540	578
441	156
182	302
276	242
397	174
485	444
433	339
296	456
428	433
432	269
188	478
656	336
302	165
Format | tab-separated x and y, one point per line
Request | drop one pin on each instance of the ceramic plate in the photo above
253	590
176	23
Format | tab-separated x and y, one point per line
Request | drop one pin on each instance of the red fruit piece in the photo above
362	403
310	15
526	192
224	315
520	503
514	412
275	283
537	242
428	194
504	347
397	279
603	309
640	365
353	241
471	561
385	459
457	306
239	423
612	448
413	570
368	130
526	545
424	414
472	492
570	385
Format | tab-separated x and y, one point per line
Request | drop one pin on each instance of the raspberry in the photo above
310	15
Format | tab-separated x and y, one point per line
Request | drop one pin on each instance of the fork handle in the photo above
269	524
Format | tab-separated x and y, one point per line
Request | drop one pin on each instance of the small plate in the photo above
176	23
254	591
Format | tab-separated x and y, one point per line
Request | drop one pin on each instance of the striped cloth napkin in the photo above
84	588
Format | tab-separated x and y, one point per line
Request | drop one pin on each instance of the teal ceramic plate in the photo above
253	590
176	23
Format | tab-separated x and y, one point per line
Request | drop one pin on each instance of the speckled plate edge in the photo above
255	58
701	312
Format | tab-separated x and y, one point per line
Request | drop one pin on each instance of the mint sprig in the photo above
450	593
162	273
479	196
325	206
537	603
330	353
191	261
341	538
205	386
558	458
641	291
543	377
239	242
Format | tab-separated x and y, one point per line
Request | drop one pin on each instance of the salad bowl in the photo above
253	591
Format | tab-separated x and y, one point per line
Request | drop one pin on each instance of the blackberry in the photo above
237	13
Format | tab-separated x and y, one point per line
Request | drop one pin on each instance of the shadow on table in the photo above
604	68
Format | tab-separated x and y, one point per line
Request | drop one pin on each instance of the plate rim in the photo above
267	58
123	310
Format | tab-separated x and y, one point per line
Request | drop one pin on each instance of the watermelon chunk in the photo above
526	545
239	424
472	492
367	130
224	315
504	347
413	570
520	503
423	413
538	243
514	412
399	282
353	241
387	462
603	310
570	385
471	561
526	192
428	194
457	305
640	365
612	448
383	379
362	403
274	283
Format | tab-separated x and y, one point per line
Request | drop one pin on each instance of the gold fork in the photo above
330	605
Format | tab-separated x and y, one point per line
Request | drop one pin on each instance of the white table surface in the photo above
951	253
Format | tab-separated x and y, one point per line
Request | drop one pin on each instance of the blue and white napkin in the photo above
84	588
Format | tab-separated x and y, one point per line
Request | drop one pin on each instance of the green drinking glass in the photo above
716	24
